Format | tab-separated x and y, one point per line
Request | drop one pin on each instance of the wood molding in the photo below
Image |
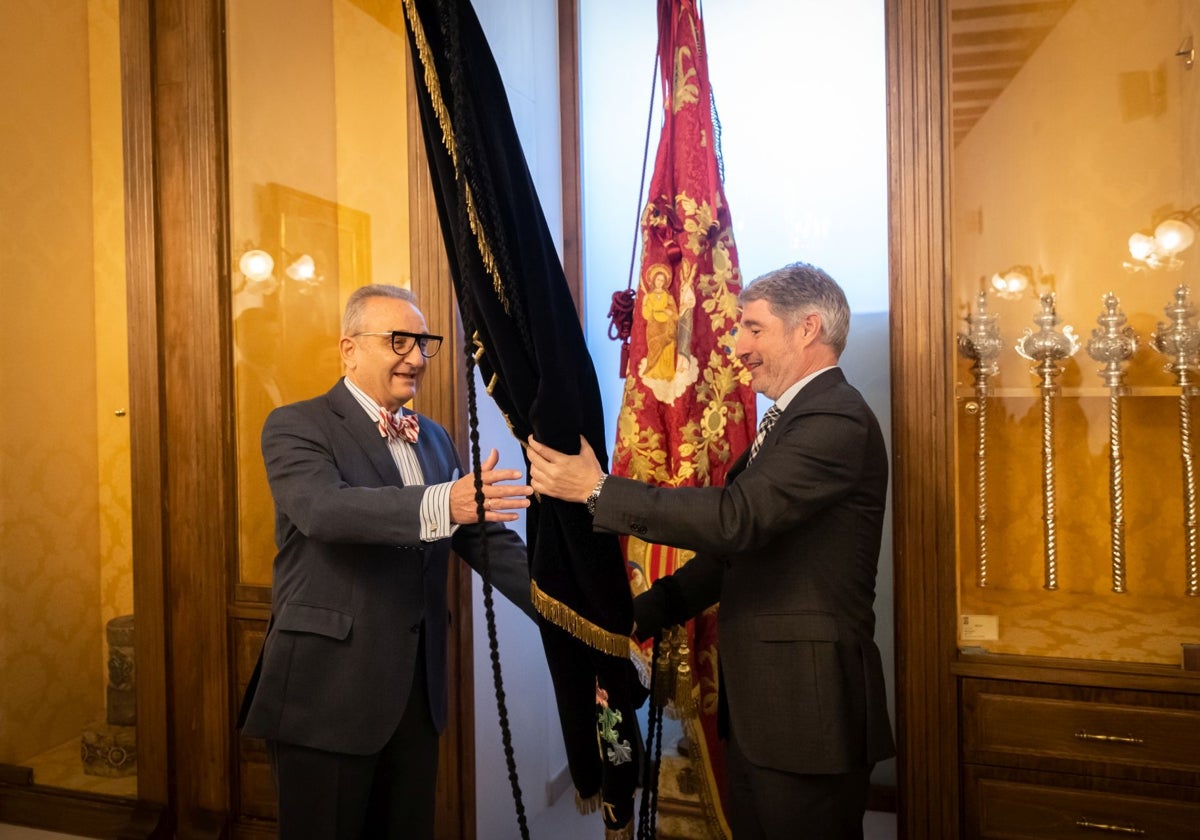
145	397
918	141
82	814
568	98
194	362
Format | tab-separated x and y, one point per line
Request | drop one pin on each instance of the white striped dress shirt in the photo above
435	504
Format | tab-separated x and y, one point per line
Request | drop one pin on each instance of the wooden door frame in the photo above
922	422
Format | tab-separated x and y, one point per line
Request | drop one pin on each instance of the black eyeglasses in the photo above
402	342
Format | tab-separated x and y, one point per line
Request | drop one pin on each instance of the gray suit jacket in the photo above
353	583
789	546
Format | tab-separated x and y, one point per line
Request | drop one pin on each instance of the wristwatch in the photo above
595	494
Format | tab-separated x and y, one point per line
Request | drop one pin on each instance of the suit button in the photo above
638	528
416	628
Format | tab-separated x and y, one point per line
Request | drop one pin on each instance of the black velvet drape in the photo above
515	304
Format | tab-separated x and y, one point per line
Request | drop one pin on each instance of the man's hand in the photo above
567	477
500	500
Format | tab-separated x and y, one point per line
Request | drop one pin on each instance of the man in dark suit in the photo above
789	546
350	687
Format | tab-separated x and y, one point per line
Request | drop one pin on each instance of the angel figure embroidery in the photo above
662	315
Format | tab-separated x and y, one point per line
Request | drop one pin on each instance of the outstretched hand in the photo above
500	502
567	477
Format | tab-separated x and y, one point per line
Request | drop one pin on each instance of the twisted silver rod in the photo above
981	493
1116	476
1048	492
1189	480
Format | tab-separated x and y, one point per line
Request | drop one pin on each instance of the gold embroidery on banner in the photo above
686	92
439	107
702	442
702	765
594	636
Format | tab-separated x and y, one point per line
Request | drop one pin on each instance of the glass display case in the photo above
1075	203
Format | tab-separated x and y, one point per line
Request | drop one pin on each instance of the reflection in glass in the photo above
67	710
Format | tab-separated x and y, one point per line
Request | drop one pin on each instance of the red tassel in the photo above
620	324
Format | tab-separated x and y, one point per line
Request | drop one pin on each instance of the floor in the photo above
559	821
562	820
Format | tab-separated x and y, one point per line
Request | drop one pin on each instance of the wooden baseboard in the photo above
82	814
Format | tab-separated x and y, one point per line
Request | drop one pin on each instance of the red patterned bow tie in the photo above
403	427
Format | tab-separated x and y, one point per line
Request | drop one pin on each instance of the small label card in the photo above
979	628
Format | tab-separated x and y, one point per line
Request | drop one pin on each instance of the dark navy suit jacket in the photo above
353	583
790	547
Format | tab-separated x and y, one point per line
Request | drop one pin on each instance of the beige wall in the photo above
64	499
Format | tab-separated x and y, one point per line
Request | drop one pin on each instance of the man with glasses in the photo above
350	687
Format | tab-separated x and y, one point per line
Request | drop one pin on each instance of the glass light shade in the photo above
1010	283
1141	246
1174	236
256	265
302	269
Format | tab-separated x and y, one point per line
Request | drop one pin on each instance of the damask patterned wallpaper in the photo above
64	498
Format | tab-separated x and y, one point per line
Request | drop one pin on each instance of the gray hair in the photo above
799	289
352	317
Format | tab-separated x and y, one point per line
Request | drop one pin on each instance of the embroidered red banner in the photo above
687	410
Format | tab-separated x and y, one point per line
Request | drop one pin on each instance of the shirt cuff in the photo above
435	513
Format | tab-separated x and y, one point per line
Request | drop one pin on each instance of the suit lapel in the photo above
365	433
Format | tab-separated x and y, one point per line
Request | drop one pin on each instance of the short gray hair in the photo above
352	317
799	289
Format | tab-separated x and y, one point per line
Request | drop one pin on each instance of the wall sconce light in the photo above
1019	281
1161	249
1013	282
257	267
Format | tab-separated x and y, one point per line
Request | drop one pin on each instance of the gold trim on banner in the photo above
434	88
708	788
594	636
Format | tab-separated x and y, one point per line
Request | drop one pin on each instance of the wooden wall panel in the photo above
926	711
145	416
195	402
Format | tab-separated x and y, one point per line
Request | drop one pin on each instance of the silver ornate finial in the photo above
1047	345
981	343
1179	341
1112	344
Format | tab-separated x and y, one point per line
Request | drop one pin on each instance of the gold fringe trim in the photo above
625	833
587	806
560	615
443	115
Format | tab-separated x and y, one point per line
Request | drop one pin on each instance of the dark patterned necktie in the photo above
764	426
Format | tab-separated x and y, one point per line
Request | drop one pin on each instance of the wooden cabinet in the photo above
1045	807
1050	750
1040	613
